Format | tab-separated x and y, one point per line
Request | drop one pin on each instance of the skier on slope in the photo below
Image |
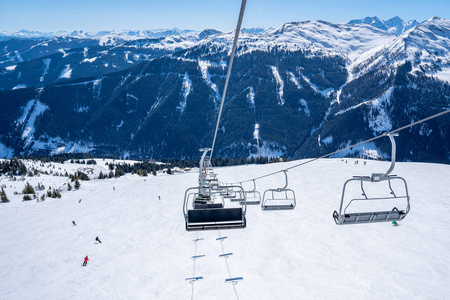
73	223
85	261
98	240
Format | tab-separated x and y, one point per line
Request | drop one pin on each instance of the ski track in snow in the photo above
300	254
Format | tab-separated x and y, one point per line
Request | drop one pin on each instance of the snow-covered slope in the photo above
351	41
426	46
394	25
301	254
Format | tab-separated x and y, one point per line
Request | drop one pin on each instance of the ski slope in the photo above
300	254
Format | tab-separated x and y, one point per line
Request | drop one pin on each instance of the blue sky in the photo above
96	15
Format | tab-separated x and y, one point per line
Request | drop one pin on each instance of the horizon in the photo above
190	29
54	16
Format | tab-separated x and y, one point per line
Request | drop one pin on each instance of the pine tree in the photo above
77	184
28	189
69	187
3	196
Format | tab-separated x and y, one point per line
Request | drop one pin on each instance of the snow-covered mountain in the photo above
394	25
122	35
426	46
159	97
147	254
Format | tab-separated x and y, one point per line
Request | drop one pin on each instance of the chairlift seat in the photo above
285	201
278	207
207	205
370	217
215	218
253	202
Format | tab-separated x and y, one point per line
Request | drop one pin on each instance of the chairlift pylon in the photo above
279	198
206	208
343	217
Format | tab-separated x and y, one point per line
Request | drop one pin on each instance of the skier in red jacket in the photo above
85	261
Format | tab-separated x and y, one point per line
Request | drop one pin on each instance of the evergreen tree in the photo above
69	187
28	189
3	196
77	184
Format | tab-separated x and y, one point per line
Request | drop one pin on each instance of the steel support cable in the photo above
228	267
349	147
236	36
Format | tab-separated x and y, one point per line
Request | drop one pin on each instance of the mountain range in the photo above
303	89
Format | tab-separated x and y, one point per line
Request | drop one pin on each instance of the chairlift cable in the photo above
349	147
236	36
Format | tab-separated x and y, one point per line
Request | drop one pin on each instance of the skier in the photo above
98	240
85	261
79	201
159	197
395	223
73	223
114	188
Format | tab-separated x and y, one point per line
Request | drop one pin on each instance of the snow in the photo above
256	132
18	56
378	117
46	66
305	107
251	97
207	77
294	80
60	146
6	152
11	68
325	93
425	46
63	52
186	89
280	85
444	74
33	109
269	149
133	97
327	140
20	86
66	73
300	254
364	150
26	111
82	109
89	60
120	125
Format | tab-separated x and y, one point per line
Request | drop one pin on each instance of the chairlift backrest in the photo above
213	212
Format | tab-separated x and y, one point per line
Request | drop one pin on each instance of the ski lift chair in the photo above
395	214
279	198
229	192
253	197
210	211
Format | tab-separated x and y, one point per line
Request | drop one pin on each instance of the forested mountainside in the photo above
304	89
